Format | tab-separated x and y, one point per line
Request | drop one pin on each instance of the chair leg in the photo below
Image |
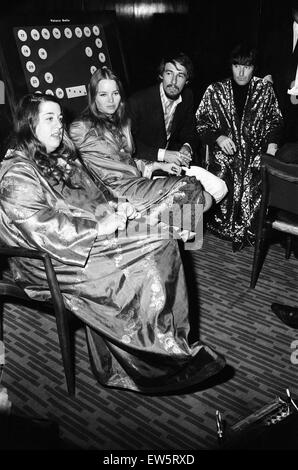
63	328
259	256
288	246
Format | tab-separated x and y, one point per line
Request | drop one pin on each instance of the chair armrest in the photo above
57	298
22	252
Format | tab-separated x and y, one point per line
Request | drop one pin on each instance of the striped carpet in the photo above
231	317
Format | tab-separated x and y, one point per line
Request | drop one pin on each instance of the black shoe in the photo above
287	314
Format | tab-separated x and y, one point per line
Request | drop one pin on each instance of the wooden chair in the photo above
9	289
278	210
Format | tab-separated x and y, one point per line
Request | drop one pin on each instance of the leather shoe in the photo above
287	314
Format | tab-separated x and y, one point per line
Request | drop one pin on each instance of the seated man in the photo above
239	119
163	122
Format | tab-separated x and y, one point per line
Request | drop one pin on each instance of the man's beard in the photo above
174	93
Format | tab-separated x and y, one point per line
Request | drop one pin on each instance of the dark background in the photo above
204	29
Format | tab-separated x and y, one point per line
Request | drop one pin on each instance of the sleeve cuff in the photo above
161	155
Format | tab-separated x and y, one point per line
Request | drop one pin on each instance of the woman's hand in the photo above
226	144
117	219
110	223
128	210
171	168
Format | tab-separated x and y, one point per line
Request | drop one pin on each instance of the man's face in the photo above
174	78
242	73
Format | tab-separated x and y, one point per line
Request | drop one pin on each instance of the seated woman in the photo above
104	140
128	290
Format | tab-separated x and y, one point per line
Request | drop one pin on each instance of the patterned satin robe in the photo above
235	217
128	288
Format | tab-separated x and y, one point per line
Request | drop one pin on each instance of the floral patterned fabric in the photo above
110	161
234	218
128	289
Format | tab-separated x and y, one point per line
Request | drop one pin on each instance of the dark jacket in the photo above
148	128
288	153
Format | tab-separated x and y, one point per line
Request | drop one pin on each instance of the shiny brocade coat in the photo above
129	289
235	217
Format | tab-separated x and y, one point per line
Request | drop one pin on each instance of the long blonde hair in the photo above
116	124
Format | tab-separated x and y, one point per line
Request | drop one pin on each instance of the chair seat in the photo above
285	227
278	208
285	221
287	217
8	288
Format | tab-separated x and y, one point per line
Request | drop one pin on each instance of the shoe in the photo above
287	314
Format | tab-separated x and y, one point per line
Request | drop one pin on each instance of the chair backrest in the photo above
11	289
57	299
279	184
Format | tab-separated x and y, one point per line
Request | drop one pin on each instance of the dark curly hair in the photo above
244	54
24	139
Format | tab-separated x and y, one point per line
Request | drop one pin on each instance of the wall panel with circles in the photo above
58	55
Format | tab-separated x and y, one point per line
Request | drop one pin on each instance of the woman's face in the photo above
49	129
108	96
242	73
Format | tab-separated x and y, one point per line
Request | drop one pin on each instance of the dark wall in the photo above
204	29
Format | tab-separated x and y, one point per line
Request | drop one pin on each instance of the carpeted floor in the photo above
231	317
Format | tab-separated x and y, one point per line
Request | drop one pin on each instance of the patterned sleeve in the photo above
33	218
207	123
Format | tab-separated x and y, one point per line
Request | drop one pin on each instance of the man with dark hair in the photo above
239	119
163	122
162	116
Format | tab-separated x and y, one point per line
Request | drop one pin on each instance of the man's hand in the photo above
271	149
173	156
226	144
185	151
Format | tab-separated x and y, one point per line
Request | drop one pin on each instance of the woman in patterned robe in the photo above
102	136
238	119
128	287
